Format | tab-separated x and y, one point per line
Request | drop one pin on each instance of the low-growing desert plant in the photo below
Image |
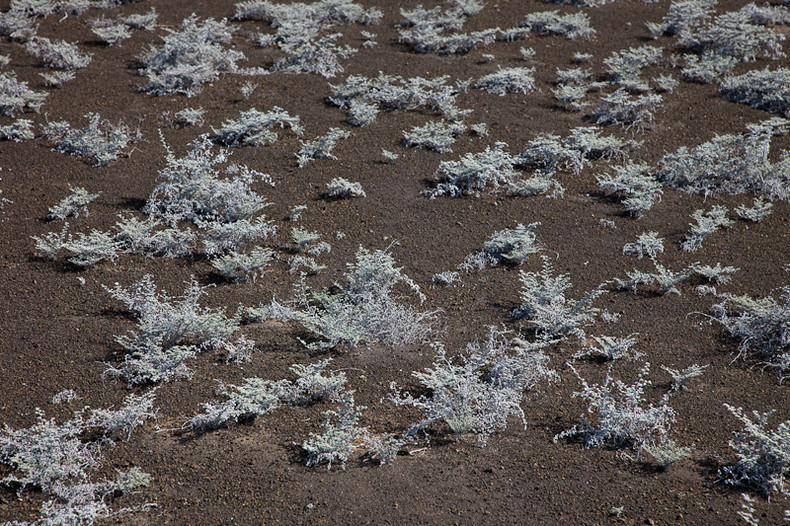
86	250
321	147
240	267
339	437
646	244
545	307
572	25
626	110
18	131
57	54
77	201
761	326
610	348
257	397
635	185
666	279
683	376
481	390
254	128
363	311
16	96
189	117
434	135
169	331
99	143
340	188
759	210
424	30
189	57
511	245
763	453
55	79
731	163
620	416
707	222
764	89
719	274
475	172
508	80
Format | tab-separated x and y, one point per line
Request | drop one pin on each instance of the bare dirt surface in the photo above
58	324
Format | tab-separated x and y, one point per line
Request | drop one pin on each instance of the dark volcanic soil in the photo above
57	333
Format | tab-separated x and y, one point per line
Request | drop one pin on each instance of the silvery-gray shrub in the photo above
141	20
151	237
684	16
189	117
239	267
719	274
763	453
707	67
759	210
363	311
192	190
77	201
340	188
621	418
339	435
189	57
635	186
549	153
364	96
666	279
321	56
55	78
681	377
321	147
626	65
765	89
434	135
666	83
733	164
761	326
425	30
511	245
545	307
257	397
99	143
226	236
628	111
482	389
15	96
474	173
122	422
508	80
610	348
18	131
707	222
646	244
111	33
254	128
57	54
572	25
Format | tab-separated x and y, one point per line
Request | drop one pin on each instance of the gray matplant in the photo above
508	80
99	143
254	128
707	222
77	201
340	188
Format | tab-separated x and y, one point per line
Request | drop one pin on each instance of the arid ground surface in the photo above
58	324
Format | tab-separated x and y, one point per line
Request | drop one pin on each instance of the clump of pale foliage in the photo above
189	57
170	330
321	147
646	244
298	27
764	89
759	210
364	97
733	164
511	245
610	348
16	96
763	453
254	128
545	307
761	326
340	188
635	186
18	131
55	459
434	135
508	80
707	222
480	390
363	311
235	266
572	25
57	54
339	437
666	279
426	30
86	249
621	415
475	172
626	110
99	143
257	397
77	201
